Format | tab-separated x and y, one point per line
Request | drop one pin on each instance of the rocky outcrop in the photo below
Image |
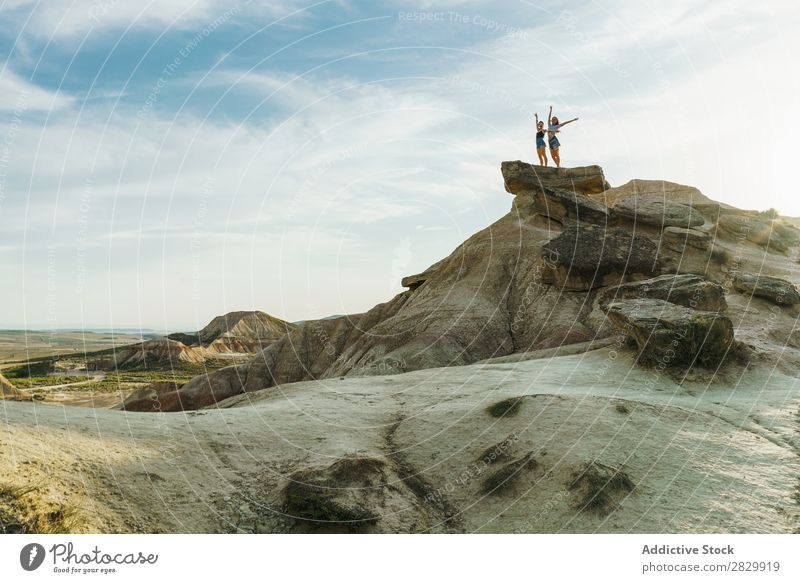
414	281
562	206
502	291
149	399
668	335
688	290
759	229
776	290
678	239
7	389
658	212
520	177
663	190
585	257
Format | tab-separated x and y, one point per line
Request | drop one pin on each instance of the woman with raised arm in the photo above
541	147
554	127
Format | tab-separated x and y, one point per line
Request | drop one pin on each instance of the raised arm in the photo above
566	122
536	115
550	115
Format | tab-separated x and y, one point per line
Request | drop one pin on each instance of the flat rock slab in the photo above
522	177
669	335
657	211
688	290
777	290
584	257
678	238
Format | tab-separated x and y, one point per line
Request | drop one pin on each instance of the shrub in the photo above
505	408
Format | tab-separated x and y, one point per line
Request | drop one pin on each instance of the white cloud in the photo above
59	19
20	95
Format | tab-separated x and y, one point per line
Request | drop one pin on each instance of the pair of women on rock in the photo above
553	127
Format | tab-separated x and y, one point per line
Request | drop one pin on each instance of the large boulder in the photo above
584	257
522	177
657	211
688	290
777	290
668	335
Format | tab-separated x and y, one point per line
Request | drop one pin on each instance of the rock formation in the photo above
776	290
656	211
158	353
688	290
7	389
671	335
238	332
585	257
535	279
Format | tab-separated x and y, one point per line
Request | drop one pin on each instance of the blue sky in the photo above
165	162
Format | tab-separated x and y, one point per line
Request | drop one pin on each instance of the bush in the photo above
506	408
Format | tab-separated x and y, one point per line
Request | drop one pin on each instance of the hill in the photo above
238	332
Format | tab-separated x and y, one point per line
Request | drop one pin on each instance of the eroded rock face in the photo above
586	257
7	389
679	238
758	229
243	331
499	293
688	290
777	290
488	298
669	335
659	189
657	211
563	206
149	399
521	177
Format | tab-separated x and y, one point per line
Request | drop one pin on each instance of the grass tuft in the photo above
22	511
599	486
503	479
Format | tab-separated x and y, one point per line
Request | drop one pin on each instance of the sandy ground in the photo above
717	456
